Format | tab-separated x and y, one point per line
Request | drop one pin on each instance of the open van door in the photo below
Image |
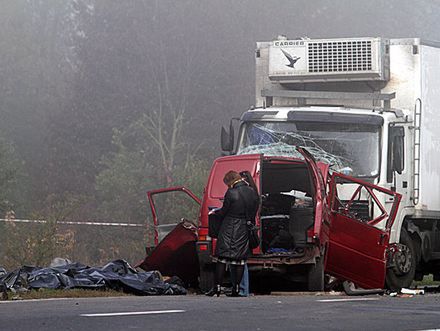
361	218
175	211
319	172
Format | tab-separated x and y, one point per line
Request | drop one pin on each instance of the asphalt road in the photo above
296	312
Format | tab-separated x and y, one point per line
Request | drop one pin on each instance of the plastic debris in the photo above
413	292
3	293
407	293
116	275
59	261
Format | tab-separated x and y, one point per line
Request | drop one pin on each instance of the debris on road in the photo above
412	291
407	293
351	289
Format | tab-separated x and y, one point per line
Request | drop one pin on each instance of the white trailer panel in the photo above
430	129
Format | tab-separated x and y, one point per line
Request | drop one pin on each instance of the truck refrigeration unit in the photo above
341	132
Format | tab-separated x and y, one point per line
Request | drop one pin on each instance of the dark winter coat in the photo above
240	204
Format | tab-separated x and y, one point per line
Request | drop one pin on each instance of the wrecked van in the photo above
311	221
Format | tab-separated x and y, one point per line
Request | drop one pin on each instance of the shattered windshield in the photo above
349	148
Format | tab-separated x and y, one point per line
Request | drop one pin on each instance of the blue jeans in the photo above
244	284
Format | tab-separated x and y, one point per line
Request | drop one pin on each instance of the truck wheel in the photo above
315	277
403	269
206	278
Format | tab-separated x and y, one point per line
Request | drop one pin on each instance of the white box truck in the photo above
369	107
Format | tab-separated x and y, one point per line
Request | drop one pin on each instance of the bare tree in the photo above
165	122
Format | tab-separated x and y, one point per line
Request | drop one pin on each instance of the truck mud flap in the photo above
176	255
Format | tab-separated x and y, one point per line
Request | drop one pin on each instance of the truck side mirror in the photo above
227	139
396	154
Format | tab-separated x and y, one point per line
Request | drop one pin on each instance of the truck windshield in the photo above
352	149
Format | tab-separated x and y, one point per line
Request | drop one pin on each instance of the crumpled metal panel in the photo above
176	255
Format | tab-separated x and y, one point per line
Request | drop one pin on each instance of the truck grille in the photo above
336	56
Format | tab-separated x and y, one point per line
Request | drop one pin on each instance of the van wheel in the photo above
206	278
403	264
315	277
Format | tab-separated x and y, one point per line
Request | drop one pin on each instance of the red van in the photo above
311	222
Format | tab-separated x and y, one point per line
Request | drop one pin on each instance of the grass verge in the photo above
427	280
73	293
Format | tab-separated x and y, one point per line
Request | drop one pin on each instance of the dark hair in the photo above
231	177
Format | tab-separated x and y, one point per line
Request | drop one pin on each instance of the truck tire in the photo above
206	278
315	277
402	273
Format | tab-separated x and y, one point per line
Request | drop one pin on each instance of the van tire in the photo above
396	280
206	278
315	277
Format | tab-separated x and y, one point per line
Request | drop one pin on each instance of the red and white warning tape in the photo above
74	223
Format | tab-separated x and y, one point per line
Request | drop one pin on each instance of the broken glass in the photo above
352	149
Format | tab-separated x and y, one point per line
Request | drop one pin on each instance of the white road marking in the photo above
130	313
353	299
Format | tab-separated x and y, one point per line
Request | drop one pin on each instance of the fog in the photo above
103	100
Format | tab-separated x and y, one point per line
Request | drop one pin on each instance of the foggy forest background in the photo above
101	101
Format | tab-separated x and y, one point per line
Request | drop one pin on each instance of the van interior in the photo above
287	209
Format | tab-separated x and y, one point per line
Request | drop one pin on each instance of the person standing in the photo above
240	204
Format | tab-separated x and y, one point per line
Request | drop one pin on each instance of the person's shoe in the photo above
214	291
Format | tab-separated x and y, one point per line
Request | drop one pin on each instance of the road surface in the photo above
191	312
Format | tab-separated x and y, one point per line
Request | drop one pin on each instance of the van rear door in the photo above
361	218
